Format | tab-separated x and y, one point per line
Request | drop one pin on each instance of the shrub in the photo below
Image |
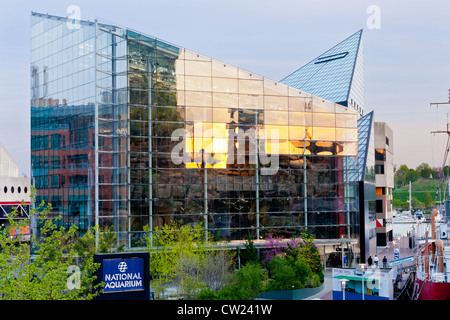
247	283
287	273
293	264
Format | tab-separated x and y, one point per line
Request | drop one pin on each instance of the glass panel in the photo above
275	88
225	85
320	105
346	120
346	134
197	68
242	74
198	99
275	132
191	55
250	87
297	104
324	119
179	67
349	149
221	115
199	114
300	118
197	83
275	117
251	101
220	69
275	103
322	133
225	100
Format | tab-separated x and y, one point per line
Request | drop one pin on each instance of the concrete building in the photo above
14	192
384	182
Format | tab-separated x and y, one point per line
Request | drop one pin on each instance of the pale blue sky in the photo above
407	60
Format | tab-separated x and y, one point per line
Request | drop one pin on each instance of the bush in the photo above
247	283
288	273
252	278
293	264
230	292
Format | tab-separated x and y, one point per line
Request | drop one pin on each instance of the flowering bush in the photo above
293	263
277	247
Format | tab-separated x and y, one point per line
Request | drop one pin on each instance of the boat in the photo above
404	217
432	270
432	260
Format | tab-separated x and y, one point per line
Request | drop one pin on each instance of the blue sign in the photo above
396	254
123	274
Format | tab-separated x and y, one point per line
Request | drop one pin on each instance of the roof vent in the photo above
332	57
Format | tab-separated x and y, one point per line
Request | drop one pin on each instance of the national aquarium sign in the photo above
124	275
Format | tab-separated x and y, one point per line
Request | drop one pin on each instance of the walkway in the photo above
327	291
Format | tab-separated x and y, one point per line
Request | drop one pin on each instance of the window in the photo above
380	154
379	169
379	206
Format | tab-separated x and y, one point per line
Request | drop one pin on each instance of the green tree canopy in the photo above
401	175
427	199
424	171
52	271
412	176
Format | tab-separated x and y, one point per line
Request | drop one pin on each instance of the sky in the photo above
406	54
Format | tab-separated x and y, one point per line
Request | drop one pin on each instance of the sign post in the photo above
125	276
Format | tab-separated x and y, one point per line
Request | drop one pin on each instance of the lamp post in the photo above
362	266
343	281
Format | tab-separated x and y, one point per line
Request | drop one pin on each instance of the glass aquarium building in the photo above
130	131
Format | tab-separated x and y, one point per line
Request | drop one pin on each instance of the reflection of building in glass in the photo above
338	75
14	195
128	131
384	179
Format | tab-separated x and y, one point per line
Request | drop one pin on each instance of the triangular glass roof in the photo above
334	74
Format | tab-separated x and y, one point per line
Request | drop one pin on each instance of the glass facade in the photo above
336	75
129	130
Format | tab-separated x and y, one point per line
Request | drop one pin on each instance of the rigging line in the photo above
445	156
433	163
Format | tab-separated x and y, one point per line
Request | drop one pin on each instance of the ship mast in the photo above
447	149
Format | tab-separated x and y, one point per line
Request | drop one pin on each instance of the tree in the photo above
252	278
412	175
400	175
427	199
45	275
397	203
107	242
416	204
217	269
246	284
173	249
250	253
424	171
